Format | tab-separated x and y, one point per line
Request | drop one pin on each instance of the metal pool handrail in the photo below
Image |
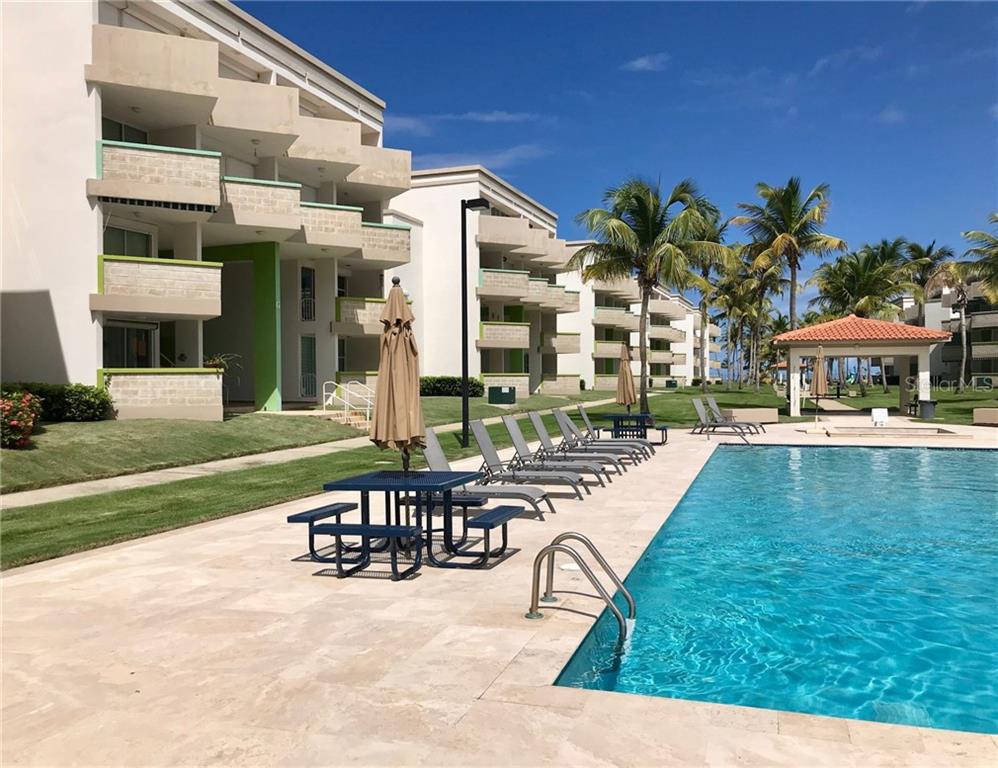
549	552
632	608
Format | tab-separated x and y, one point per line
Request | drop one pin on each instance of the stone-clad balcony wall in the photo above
155	173
504	232
570	302
537	292
160	288
499	335
519	381
659	356
665	333
164	393
358	316
332	226
561	343
260	203
560	384
503	284
616	317
607	349
388	169
385	244
256	108
336	142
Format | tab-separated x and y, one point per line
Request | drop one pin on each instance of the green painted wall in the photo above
266	259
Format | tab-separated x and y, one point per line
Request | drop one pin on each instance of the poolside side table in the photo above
422	486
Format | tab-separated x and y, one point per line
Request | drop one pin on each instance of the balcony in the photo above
605	381
382	174
503	284
560	384
385	245
570	302
714	347
168	79
158	288
615	317
554	297
502	232
555	253
258	117
622	289
978	350
537	292
496	335
536	244
561	344
261	204
164	393
609	349
659	356
325	150
665	333
135	175
357	316
667	309
335	228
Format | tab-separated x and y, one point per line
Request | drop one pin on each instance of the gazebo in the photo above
854	336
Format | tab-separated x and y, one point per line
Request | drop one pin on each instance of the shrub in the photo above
448	386
69	402
695	382
19	412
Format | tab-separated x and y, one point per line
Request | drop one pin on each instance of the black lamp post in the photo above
475	204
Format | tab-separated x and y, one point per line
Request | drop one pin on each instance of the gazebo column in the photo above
924	383
902	364
793	380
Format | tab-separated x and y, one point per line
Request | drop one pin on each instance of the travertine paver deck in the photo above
212	645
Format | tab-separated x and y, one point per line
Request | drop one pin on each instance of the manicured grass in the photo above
951	408
447	410
675	406
72	452
44	531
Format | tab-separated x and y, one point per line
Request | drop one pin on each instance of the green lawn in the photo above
74	451
447	410
675	406
952	408
44	531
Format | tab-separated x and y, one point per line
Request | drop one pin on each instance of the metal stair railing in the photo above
348	394
556	546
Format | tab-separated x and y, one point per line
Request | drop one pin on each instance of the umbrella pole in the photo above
405	459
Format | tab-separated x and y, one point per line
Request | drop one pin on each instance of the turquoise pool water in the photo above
853	582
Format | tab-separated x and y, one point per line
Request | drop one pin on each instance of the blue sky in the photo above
895	105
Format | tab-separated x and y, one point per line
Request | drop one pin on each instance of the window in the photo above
306	365
130	345
307	293
342	286
126	242
115	131
341	355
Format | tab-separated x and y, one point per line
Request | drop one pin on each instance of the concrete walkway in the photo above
143	479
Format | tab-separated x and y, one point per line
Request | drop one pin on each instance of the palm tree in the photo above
708	262
639	235
925	260
786	227
762	281
957	276
734	300
985	248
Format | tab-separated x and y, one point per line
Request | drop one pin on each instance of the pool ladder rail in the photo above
556	546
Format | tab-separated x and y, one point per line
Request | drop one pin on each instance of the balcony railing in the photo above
382	172
609	349
554	297
562	343
502	335
659	356
385	244
503	284
137	173
159	288
503	232
667	309
158	393
260	203
335	228
665	333
258	107
537	292
333	145
307	305
570	301
616	317
358	316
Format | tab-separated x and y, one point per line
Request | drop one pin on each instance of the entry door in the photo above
306	366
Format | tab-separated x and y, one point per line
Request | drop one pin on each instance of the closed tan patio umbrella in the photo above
819	381
625	380
397	421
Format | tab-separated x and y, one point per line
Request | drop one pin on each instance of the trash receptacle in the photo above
671	384
502	395
927	409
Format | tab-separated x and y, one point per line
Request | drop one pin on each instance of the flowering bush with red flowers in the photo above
19	412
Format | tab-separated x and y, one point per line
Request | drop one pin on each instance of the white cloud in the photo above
424	125
652	62
496	160
846	56
891	115
994	111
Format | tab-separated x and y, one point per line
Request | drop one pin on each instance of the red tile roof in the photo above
852	328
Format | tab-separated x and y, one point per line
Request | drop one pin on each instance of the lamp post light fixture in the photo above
475	204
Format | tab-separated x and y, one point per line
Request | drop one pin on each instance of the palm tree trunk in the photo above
730	354
703	340
883	375
961	382
757	341
793	295
643	341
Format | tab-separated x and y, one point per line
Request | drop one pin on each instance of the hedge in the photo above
67	402
448	386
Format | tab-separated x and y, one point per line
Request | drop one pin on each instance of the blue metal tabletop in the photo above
397	480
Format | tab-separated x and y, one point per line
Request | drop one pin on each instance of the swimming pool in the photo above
853	582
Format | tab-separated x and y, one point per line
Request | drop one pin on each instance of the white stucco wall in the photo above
50	127
433	276
580	322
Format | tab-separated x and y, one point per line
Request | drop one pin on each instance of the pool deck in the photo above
213	645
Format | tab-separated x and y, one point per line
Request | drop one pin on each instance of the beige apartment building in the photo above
181	183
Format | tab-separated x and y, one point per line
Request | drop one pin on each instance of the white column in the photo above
902	365
793	381
924	384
